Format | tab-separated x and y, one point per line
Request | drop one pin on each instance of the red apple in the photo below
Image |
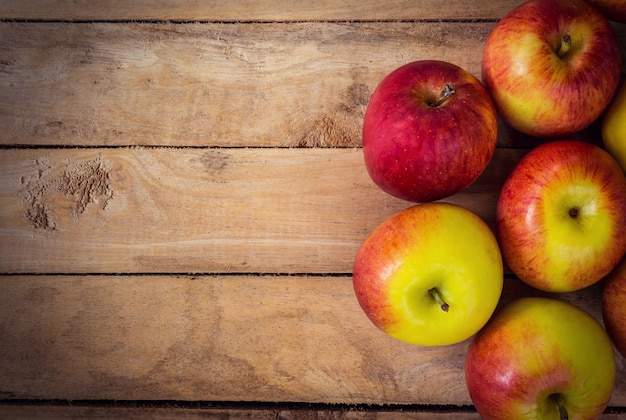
429	131
614	306
540	358
429	275
552	66
614	10
561	216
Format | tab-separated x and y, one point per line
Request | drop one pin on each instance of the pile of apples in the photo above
433	273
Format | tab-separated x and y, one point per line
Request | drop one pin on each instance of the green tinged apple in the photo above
540	358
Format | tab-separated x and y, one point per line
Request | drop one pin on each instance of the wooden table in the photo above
183	194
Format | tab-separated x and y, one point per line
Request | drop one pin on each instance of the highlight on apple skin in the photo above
430	275
429	130
561	216
540	358
552	66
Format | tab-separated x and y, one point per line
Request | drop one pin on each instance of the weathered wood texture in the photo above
213	84
198	210
207	84
182	194
71	411
221	338
264	10
141	413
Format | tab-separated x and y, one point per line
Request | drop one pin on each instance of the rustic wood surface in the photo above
280	84
253	10
139	210
182	194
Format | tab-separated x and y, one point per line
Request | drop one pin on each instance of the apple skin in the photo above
614	10
614	306
561	216
614	126
536	352
424	247
418	151
539	92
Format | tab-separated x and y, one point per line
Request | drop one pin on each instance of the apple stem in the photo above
446	93
566	43
558	399
437	296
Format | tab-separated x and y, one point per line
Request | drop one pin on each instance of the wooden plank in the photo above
70	412
150	224
247	10
74	412
221	338
169	210
216	338
297	84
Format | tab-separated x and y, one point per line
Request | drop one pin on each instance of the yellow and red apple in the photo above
429	130
614	126
430	275
540	358
561	216
552	66
614	306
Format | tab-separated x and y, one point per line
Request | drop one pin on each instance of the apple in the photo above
614	126
429	130
552	66
430	275
614	10
614	306
540	358
561	216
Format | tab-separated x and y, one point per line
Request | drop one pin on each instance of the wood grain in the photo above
247	10
220	338
340	413
182	195
143	210
214	84
216	338
143	412
281	85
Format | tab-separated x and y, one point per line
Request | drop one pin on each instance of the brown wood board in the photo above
300	84
168	210
263	10
182	193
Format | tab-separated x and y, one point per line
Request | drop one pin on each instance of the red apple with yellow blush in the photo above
561	216
552	66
